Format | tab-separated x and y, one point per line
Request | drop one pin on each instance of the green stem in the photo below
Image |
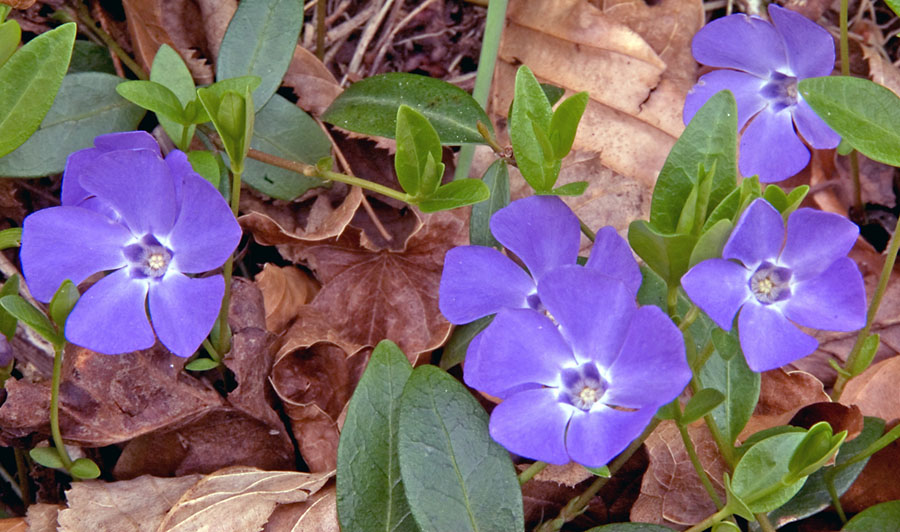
490	44
764	524
692	314
698	467
845	71
54	407
586	230
886	270
710	521
213	353
835	498
223	341
725	447
532	470
91	25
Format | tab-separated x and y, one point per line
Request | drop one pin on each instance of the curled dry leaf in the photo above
316	514
840	417
323	216
285	290
671	493
311	82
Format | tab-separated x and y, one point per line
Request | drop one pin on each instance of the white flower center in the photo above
582	387
770	283
148	258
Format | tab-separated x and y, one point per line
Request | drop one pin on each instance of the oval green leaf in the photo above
46	456
29	315
416	140
455	476
370	107
153	97
10	35
170	71
201	364
29	81
84	469
764	466
496	177
727	371
455	194
63	302
882	517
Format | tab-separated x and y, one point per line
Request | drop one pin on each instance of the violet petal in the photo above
594	438
183	310
769	340
745	88
127	140
816	132
111	317
541	230
719	287
478	281
757	237
532	424
740	42
835	300
810	48
770	147
73	243
815	239
610	255
180	168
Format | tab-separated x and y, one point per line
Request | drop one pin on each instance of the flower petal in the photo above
757	237
541	230
745	88
610	255
810	48
769	340
111	317
594	438
744	43
592	309
835	300
770	147
652	368
138	185
183	310
205	233
816	132
127	140
719	287
478	281
815	239
532	424
180	168
520	346
73	243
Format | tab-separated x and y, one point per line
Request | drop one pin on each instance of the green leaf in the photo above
207	165
62	303
87	106
866	355
154	97
711	242
531	112
702	403
630	527
29	81
26	313
201	364
455	194
458	344
735	203
882	517
370	107
600	471
84	469
866	114
369	490
283	129
727	371
232	115
46	456
260	41
10	238
91	57
10	35
564	123
445	449
170	71
817	448
844	148
668	255
762	468
709	141
575	188
416	142
7	320
552	92
496	177
653	288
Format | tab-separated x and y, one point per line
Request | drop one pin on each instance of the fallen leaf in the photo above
782	394
878	481
311	82
285	290
42	517
875	391
18	4
840	417
316	514
275	222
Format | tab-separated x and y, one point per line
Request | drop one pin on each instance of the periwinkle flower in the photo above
544	233
147	220
583	380
763	64
770	279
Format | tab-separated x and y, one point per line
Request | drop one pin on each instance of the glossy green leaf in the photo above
702	403
370	107
370	494
668	255
564	123
283	129
87	106
233	116
864	113
761	470
10	35
530	116
62	303
153	97
26	313
29	81
46	456
417	161
10	238
260	41
207	165
455	194
735	202
866	355
575	188
883	517
170	71
727	372
711	242
201	364
90	57
709	141
458	344
445	449
496	177
84	469
7	320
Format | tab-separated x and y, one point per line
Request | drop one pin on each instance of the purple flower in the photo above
147	220
544	233
765	62
805	277
583	381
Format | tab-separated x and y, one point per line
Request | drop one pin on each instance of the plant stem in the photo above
585	229
886	271
320	28
92	26
692	314
223	341
845	71
22	473
54	407
698	467
710	521
532	470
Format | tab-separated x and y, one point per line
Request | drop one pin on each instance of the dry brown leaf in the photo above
18	4
138	505
311	82
42	517
316	514
275	222
285	290
671	493
782	394
840	417
878	481
875	391
239	498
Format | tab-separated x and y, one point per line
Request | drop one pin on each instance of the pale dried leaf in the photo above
15	524
875	391
311	82
42	517
288	223
317	514
285	290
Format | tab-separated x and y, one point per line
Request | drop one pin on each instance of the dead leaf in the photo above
671	493
878	481
840	417
316	514
42	517
875	391
311	82
18	4
781	395
285	290
324	216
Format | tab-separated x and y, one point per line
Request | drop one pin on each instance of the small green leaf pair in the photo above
81	469
52	328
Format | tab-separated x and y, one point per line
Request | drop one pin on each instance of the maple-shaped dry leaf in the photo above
137	505
311	82
285	290
239	498
276	222
671	492
316	514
